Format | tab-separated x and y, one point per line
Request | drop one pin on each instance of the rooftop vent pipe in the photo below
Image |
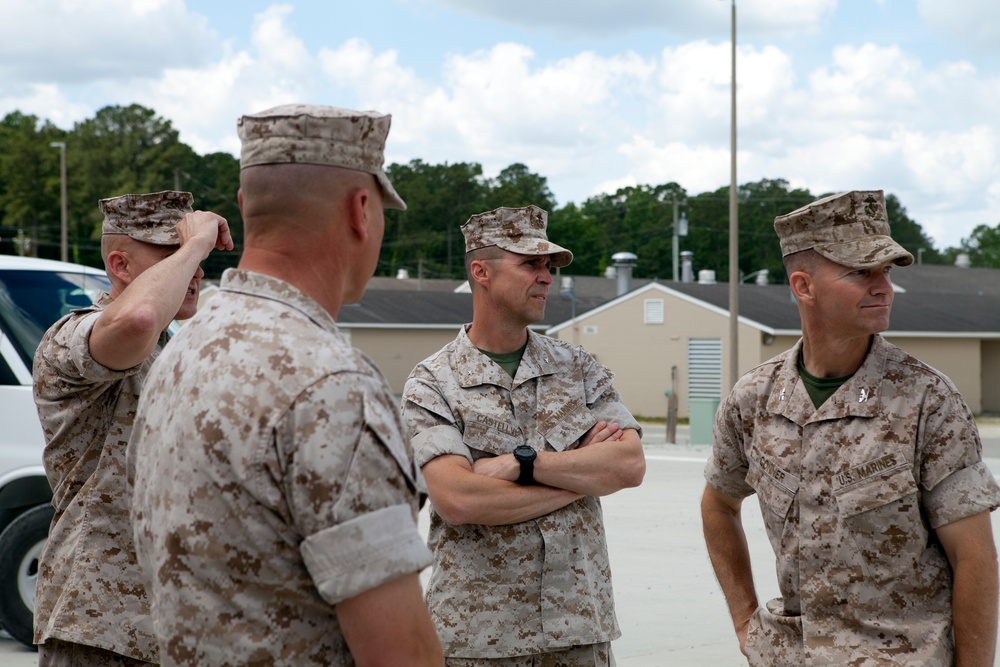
624	261
687	270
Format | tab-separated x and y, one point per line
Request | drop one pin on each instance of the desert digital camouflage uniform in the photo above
851	493
89	589
531	587
271	479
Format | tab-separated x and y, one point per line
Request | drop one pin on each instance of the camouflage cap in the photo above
520	230
150	218
311	134
851	229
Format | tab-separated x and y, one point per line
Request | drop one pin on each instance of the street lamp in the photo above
64	241
734	227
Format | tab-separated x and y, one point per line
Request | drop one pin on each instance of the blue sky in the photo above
592	94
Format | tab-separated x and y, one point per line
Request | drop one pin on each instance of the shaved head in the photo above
288	192
806	261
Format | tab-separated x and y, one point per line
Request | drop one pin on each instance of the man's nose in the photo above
882	283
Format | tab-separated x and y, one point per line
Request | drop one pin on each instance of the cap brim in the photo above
558	256
390	197
866	253
561	258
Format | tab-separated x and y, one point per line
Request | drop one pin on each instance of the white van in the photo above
34	293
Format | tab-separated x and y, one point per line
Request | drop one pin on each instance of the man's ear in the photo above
479	271
117	265
801	284
357	208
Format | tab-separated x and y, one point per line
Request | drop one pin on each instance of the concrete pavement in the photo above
670	608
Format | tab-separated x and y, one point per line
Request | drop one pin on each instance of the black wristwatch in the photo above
525	455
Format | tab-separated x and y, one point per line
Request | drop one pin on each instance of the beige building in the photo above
675	337
671	336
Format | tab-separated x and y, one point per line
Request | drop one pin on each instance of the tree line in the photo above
126	149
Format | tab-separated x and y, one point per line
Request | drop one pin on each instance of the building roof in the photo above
583	286
946	279
772	308
414	284
436	309
930	300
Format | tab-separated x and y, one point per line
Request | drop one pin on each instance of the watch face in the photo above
524	452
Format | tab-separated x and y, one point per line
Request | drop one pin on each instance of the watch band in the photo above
525	456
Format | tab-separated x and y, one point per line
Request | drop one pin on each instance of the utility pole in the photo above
734	228
680	229
64	231
676	243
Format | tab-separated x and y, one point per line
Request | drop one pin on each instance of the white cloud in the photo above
973	24
47	102
497	106
695	168
79	41
602	19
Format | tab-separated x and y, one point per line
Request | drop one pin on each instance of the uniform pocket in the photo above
882	515
384	424
775	487
570	428
774	639
486	436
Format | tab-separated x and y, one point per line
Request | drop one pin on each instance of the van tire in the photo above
21	546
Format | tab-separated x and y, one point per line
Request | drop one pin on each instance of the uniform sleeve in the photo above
602	397
429	420
63	356
955	481
727	466
353	490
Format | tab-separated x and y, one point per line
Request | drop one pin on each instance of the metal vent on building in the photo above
652	311
705	368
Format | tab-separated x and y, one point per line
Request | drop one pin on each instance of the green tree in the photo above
760	204
516	186
636	219
908	233
426	238
982	246
121	150
214	180
30	182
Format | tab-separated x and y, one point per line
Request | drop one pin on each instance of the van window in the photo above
30	301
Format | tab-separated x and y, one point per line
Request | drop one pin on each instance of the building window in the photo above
652	311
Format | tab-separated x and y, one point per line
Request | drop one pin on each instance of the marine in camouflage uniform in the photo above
275	496
90	604
521	572
869	487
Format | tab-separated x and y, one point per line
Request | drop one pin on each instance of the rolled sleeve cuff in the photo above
964	493
364	553
438	441
731	483
613	411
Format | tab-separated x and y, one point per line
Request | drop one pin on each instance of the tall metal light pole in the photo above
734	227
64	237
